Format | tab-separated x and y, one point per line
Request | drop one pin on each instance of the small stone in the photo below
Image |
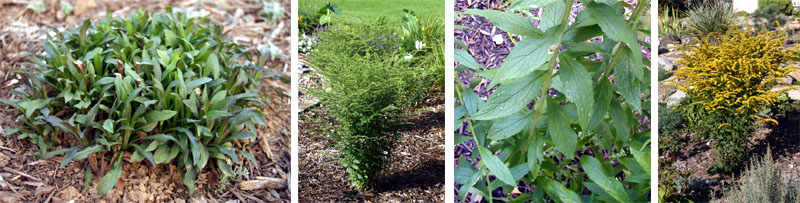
84	5
786	80
795	75
69	194
675	98
666	64
794	95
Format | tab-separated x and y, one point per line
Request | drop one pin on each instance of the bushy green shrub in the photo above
365	84
763	182
163	87
432	55
711	18
669	122
663	74
768	18
783	6
726	89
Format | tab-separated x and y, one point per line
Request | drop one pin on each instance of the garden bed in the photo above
25	178
414	175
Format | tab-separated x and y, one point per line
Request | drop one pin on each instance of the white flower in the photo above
408	57
419	45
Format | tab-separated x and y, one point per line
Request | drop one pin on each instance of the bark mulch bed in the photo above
415	175
783	141
24	178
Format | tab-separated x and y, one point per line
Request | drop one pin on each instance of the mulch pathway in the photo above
24	178
415	175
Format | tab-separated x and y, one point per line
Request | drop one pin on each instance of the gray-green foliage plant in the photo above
763	182
365	85
162	87
768	18
711	18
568	141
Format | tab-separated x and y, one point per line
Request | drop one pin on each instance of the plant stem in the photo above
636	14
552	66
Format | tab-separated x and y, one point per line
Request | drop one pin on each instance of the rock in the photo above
666	64
69	194
263	182
9	197
664	92
786	80
794	95
675	98
83	6
670	39
44	190
795	75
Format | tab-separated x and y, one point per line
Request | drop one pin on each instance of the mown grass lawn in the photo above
358	10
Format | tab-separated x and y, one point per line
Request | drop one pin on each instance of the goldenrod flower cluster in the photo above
735	72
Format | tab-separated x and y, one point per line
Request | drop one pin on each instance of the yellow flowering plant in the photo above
728	80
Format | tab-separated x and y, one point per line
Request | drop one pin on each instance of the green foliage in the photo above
768	18
783	6
164	87
726	89
670	24
366	85
562	145
669	122
711	18
311	19
763	182
663	74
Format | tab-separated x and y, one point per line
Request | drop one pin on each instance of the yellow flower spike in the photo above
723	125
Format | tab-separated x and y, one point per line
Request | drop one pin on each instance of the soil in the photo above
783	141
415	175
24	178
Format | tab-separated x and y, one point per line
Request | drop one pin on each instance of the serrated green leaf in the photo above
556	189
512	97
509	22
576	85
528	55
605	92
530	4
560	131
463	57
496	166
625	70
553	13
511	125
596	174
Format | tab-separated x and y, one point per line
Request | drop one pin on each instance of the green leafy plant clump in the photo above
768	18
163	88
560	131
783	6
